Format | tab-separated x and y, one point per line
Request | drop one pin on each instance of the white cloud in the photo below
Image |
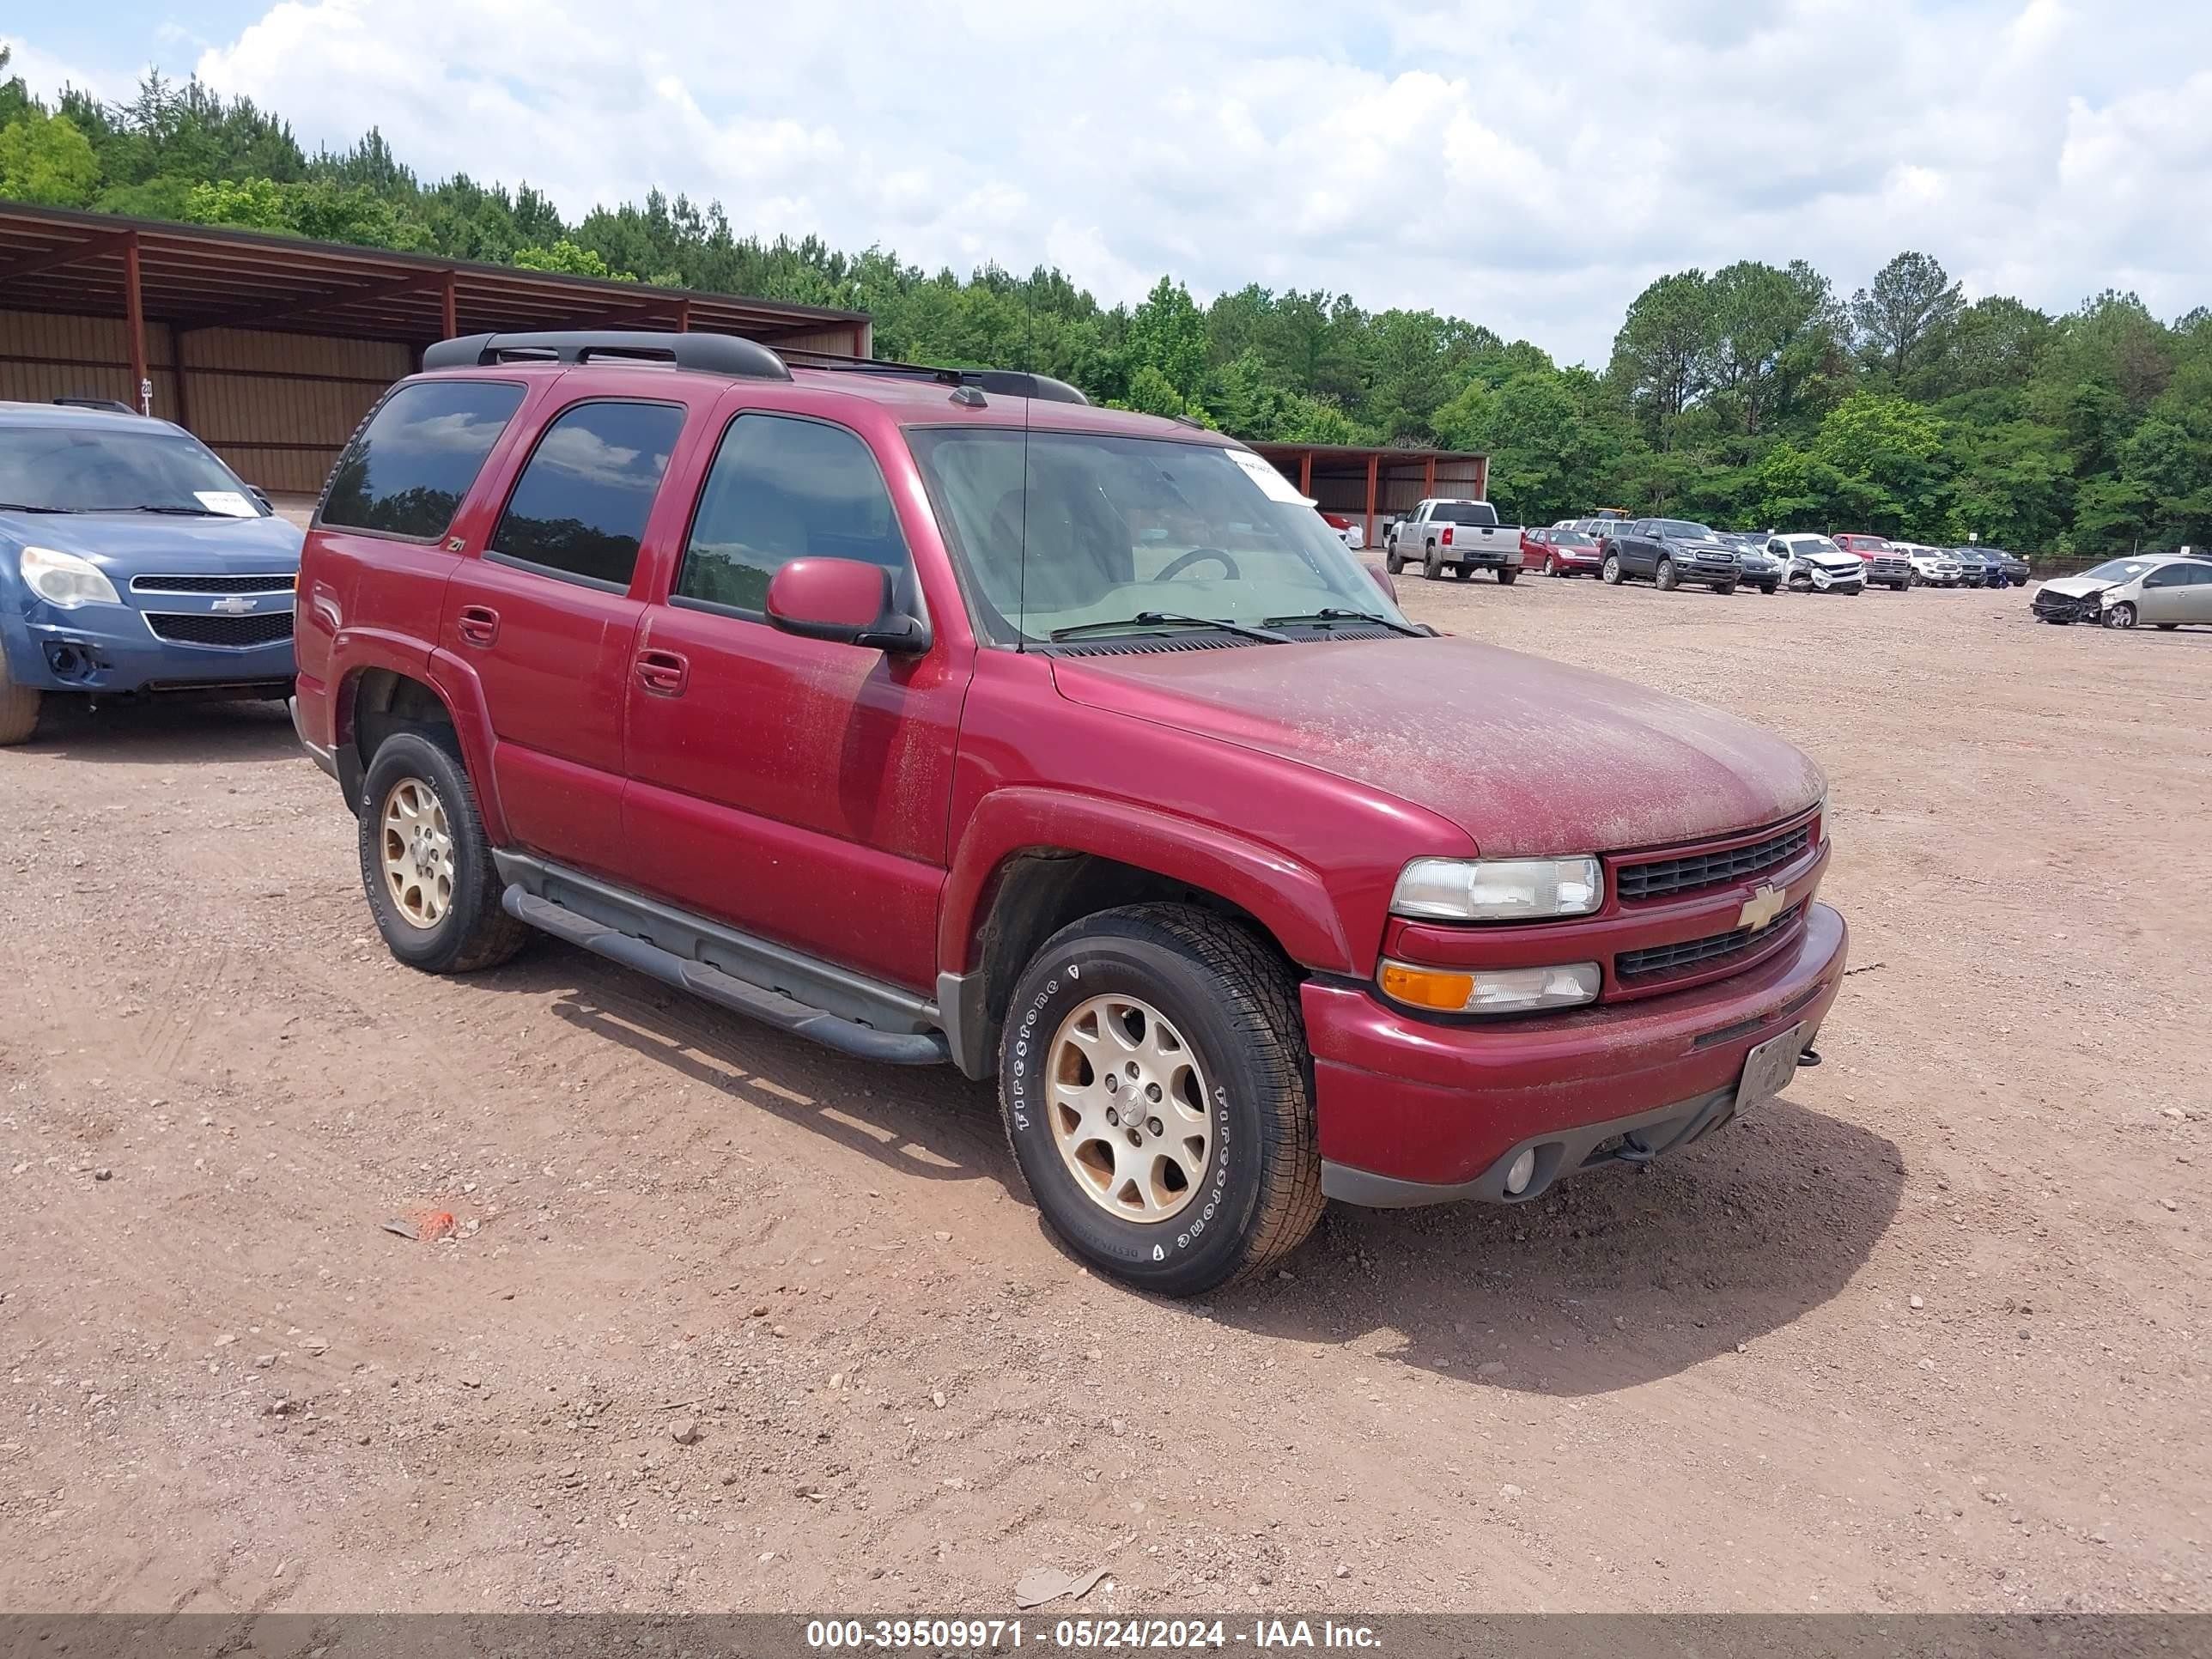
1527	165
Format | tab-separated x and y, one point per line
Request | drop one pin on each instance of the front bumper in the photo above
111	650
1841	582
2067	607
1414	1111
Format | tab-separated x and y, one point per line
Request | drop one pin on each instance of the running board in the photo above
726	990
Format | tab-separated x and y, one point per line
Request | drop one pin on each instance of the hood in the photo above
2075	587
1834	560
1526	754
157	543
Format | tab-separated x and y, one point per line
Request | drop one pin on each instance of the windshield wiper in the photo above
1333	613
1168	619
178	512
26	506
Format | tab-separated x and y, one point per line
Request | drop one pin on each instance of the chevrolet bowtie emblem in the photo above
235	606
1762	907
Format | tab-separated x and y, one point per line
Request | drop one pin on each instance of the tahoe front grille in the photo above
275	581
1631	967
236	633
1665	878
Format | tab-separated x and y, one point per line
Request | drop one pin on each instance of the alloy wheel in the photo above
1128	1108
419	853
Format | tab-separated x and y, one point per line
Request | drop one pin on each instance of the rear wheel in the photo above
1667	580
424	860
1507	575
19	708
1609	573
1432	568
1154	1079
2122	614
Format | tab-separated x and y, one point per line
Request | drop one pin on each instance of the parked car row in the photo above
1673	552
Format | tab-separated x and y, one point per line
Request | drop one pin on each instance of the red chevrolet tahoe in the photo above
940	716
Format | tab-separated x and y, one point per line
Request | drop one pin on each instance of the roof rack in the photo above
114	405
714	353
1006	382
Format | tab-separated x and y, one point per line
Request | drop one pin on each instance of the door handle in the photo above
663	672
479	624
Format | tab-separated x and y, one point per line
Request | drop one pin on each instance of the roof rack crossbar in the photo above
1006	382
712	354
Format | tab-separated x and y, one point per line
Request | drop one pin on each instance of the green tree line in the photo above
1754	395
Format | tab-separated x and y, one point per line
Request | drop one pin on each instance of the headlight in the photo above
64	580
1499	889
1489	990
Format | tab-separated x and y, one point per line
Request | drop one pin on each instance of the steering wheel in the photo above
1198	555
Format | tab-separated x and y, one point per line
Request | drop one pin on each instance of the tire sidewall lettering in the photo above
1140	1245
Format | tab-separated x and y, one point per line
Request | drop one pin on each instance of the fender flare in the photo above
1286	896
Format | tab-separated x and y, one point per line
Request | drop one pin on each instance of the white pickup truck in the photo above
1462	537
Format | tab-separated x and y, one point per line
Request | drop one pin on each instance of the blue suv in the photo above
133	562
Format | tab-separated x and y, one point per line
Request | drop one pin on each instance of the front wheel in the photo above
1609	574
2167	627
425	862
1392	564
1507	575
1767	588
18	709
2122	614
1723	588
1665	578
1153	1077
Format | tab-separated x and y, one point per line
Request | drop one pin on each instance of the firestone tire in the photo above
1232	1002
18	709
469	930
1610	572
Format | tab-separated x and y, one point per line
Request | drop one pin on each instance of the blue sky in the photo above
1530	164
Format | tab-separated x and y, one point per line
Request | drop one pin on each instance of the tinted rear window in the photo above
581	506
1475	512
408	470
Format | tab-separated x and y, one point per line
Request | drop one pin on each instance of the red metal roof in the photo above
200	276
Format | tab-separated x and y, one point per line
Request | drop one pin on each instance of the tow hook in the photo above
1809	1057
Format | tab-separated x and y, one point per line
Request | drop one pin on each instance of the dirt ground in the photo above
731	1322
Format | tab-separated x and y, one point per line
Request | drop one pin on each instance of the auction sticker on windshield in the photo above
1276	487
228	502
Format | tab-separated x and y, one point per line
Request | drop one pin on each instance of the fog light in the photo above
1521	1172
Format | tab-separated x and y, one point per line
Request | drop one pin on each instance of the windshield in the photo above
95	469
2118	570
1571	538
1815	547
1472	513
1111	528
1682	530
